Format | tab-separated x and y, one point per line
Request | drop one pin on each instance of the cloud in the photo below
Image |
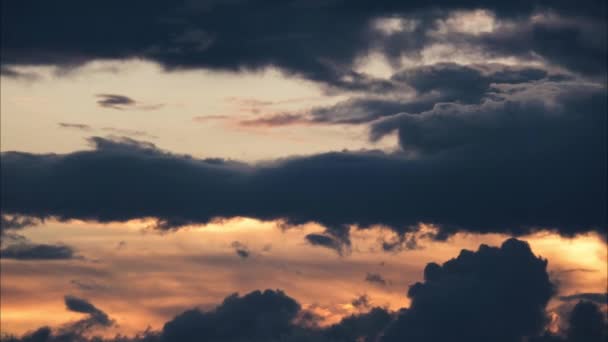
82	127
328	241
362	327
429	85
115	101
31	251
494	294
128	132
532	157
361	302
275	120
257	316
96	317
587	323
110	130
121	102
301	39
375	278
599	298
16	222
241	250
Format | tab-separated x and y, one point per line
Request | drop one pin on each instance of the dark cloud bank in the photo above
318	40
493	294
528	157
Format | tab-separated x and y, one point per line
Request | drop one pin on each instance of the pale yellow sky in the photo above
32	110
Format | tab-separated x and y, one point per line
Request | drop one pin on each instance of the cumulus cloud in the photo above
492	294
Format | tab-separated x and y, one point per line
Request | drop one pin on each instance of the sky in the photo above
323	170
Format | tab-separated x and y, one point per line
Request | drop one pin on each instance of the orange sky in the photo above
143	278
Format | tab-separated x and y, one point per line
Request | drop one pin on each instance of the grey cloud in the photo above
375	278
598	298
240	249
115	101
32	251
74	125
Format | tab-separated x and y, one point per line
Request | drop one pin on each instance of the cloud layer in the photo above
320	40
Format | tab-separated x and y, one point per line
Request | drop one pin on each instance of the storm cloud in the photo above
320	40
461	169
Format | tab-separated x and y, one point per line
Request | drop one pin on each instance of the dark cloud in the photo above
82	127
12	73
532	157
599	298
328	241
361	302
121	102
240	249
494	294
430	85
16	222
95	317
375	278
366	327
587	323
30	251
257	316
275	120
321	41
585	37
115	101
404	242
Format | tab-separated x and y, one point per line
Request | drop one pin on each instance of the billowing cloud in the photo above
321	41
426	86
495	293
